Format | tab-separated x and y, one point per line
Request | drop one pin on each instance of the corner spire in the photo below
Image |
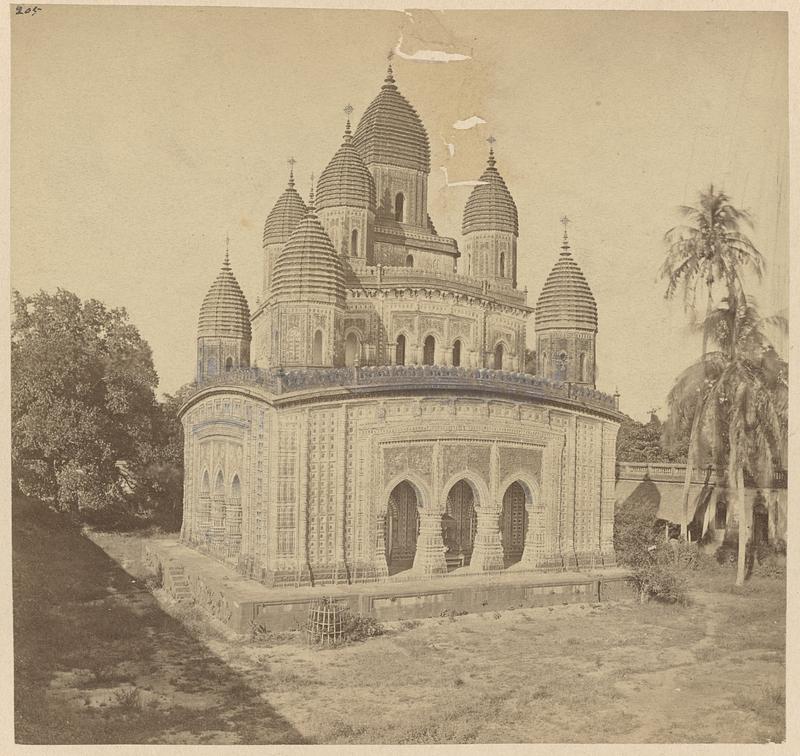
565	242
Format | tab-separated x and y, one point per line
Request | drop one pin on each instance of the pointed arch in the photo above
316	349
429	350
229	364
399	207
219	484
205	484
352	349
456	359
236	486
354	243
498	356
400	350
502	264
409	261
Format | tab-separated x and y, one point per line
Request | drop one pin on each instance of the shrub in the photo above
662	582
359	627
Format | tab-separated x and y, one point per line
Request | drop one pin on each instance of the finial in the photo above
491	141
311	207
291	161
227	261
389	73
348	109
565	243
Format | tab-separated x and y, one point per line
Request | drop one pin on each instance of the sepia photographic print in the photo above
391	377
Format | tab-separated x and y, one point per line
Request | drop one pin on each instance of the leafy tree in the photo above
739	397
645	442
708	250
158	470
82	399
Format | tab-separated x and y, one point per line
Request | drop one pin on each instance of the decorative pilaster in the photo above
379	561
429	558
487	551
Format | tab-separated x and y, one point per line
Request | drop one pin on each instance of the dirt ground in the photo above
100	658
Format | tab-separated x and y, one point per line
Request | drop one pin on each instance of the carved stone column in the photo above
534	553
429	558
381	566
487	551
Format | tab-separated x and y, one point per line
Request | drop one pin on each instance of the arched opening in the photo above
400	351
561	367
402	526
399	207
233	518
498	357
229	364
459	524
456	353
513	523
582	367
316	350
409	261
219	485
352	349
354	243
218	504
205	486
212	366
236	488
502	264
428	350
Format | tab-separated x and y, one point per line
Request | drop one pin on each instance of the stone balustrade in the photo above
676	472
283	381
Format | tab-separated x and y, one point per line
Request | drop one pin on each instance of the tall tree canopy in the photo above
83	408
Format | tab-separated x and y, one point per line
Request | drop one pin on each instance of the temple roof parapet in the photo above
380	276
401	378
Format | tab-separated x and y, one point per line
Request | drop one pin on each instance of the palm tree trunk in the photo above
736	486
687	479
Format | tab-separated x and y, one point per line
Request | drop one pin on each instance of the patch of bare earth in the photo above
617	672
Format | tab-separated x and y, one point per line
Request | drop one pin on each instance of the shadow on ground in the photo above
97	661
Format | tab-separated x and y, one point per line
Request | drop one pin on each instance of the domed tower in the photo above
394	146
490	227
307	299
288	211
566	323
223	330
345	199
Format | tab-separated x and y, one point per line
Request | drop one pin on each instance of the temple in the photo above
372	416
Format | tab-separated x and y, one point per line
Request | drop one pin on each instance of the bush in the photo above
358	627
661	581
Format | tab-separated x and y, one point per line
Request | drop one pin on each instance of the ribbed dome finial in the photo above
491	161
287	212
566	301
224	311
490	206
565	242
390	131
389	80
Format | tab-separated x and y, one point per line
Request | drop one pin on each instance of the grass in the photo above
620	672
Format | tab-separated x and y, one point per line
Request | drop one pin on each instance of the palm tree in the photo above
709	249
740	390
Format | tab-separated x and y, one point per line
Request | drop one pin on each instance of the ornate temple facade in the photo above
372	416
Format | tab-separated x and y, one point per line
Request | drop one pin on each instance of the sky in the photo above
142	136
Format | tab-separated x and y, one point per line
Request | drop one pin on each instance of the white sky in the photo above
141	136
